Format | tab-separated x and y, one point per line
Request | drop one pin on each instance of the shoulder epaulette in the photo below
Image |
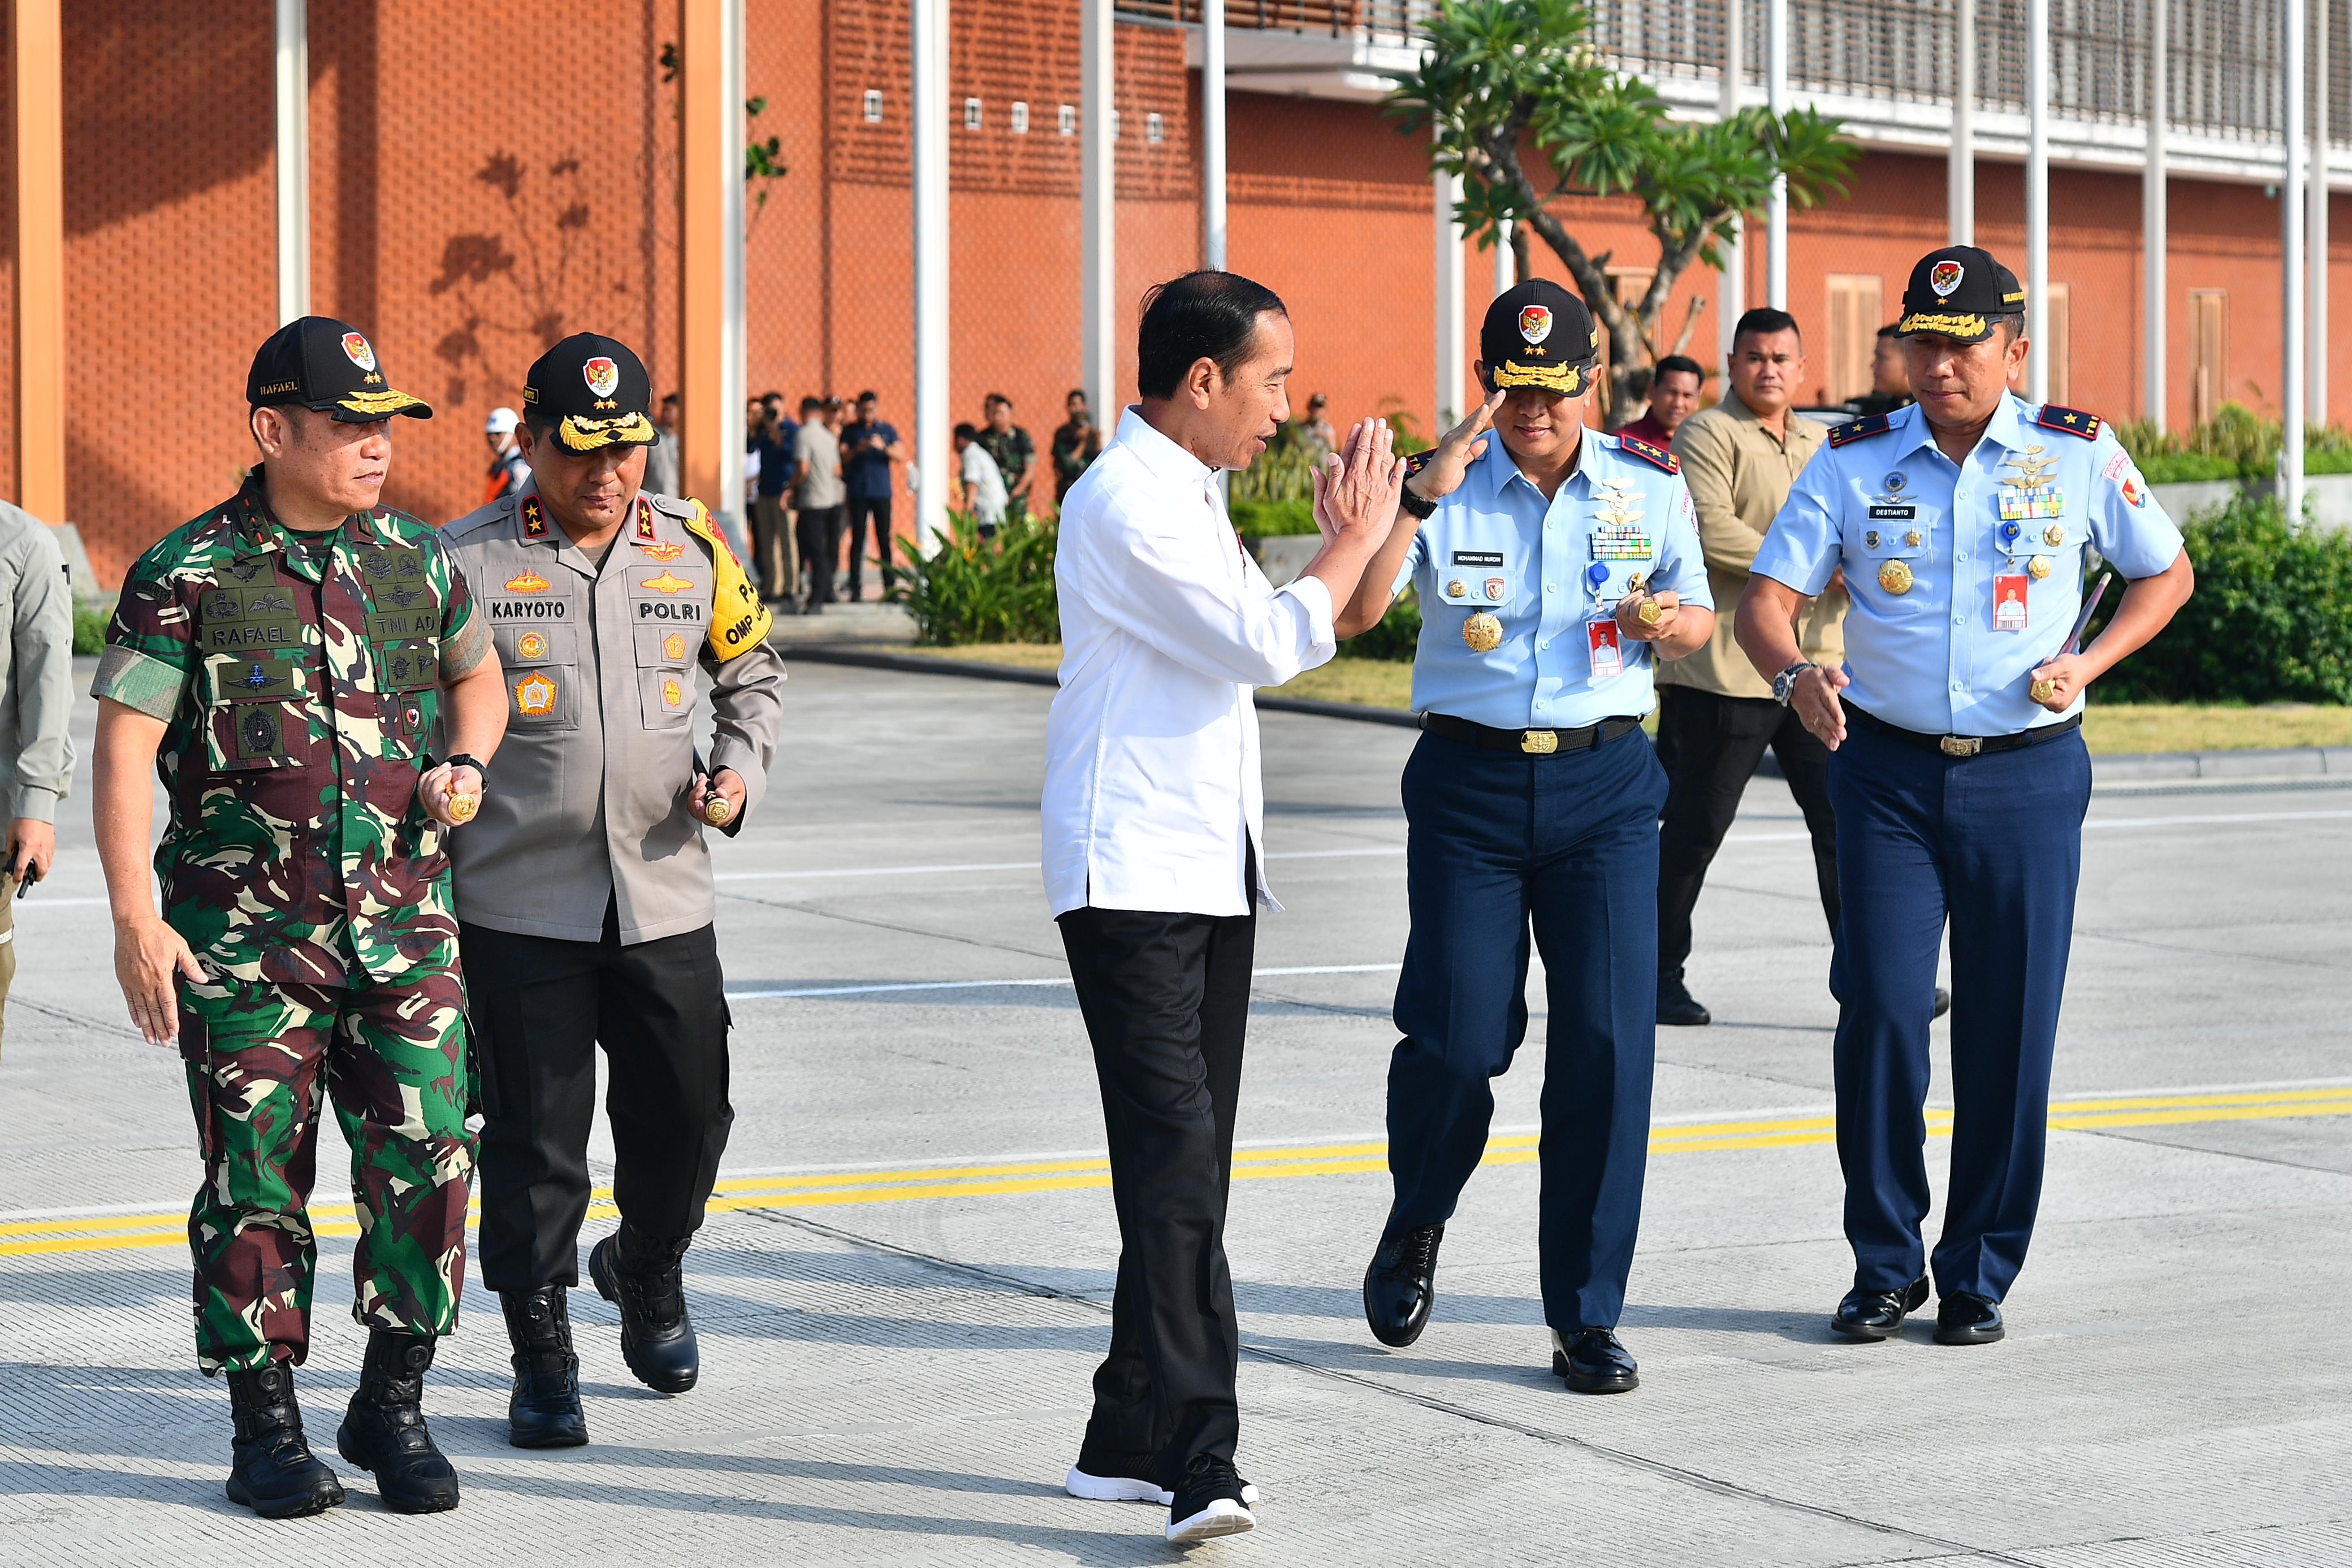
1647	452
1855	429
670	504
2073	421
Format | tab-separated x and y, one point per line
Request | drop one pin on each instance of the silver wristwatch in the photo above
1786	681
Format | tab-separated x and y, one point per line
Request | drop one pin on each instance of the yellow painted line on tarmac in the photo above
104	1233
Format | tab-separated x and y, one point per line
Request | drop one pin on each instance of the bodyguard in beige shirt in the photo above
583	888
1716	715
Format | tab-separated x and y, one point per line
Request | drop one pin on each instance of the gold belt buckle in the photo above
1962	744
1540	742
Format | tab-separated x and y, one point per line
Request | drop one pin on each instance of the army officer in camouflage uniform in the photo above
281	663
584	889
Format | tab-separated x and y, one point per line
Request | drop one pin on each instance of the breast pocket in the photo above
1478	587
665	674
542	676
1895	533
257	707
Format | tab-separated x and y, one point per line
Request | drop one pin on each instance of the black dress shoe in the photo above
1675	1005
1876	1314
1402	1286
1962	1317
644	1280
1943	1004
1593	1362
544	1410
384	1430
272	1470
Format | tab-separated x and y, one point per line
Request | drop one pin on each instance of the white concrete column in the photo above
1506	261
1453	370
2291	196
732	348
1731	283
294	160
1960	172
1775	96
1212	134
2315	335
2037	196
1098	211
934	467
2155	375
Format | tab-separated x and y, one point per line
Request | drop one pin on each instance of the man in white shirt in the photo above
984	498
1152	827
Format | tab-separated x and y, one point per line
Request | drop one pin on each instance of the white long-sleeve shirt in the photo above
1153	797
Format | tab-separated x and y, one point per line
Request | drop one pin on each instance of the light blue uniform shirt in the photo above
1933	658
1495	544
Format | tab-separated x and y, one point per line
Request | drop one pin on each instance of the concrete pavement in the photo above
904	1291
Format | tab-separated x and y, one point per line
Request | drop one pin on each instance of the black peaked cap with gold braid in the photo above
1538	334
594	391
1959	292
328	367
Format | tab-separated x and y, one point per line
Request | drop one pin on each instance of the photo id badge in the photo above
2009	602
1608	658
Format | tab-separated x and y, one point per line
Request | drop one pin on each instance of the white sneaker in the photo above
1222	1516
1129	1489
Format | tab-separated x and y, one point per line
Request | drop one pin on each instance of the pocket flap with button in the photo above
266	674
529	644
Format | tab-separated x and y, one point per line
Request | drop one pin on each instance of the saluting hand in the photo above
1457	450
2066	676
150	957
442	784
1815	699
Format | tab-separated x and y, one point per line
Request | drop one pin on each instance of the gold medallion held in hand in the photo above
717	809
1651	612
1483	632
2044	689
1894	577
463	807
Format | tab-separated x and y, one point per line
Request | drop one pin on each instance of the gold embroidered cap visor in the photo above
366	407
588	434
1566	381
1959	329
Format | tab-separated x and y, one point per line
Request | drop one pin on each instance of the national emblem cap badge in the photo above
1535	323
356	349
1944	278
601	374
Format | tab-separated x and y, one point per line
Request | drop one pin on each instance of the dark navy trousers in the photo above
1993	844
1565	846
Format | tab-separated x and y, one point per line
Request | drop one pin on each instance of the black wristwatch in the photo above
1420	507
1785	683
468	759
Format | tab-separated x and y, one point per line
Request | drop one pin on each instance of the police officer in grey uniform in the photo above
1964	525
583	888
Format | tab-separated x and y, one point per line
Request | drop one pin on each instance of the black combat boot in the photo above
272	1470
384	1431
544	1412
644	1280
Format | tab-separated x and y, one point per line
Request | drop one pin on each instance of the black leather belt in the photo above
1961	744
1533	742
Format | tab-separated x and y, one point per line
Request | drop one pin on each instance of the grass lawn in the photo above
2116	728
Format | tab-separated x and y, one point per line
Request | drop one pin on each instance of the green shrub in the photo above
2271	620
90	630
2237	443
1263	519
973	590
1395	637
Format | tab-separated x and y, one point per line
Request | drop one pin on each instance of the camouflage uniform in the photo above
1015	452
300	866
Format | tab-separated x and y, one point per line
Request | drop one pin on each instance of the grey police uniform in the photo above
584	886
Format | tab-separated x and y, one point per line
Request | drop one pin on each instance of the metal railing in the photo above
1333	18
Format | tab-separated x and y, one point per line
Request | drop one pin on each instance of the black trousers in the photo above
878	509
540	1007
819	544
1710	745
1166	1000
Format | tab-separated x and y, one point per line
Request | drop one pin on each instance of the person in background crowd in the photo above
1015	455
1078	442
981	483
1890	379
37	754
1673	397
661	458
816	477
1315	436
508	470
868	448
771	437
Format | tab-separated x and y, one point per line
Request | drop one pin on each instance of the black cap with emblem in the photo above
1959	292
1538	334
592	392
328	367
